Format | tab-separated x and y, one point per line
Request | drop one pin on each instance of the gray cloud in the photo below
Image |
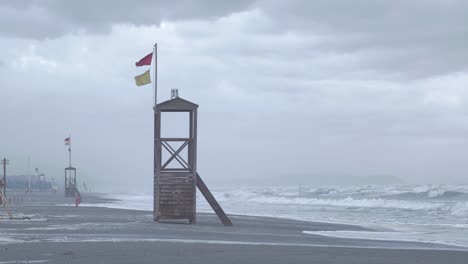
53	18
412	38
405	39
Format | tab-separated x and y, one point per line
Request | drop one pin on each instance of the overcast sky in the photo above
288	90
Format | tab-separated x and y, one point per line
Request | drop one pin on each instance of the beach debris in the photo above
22	218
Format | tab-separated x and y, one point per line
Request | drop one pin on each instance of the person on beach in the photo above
77	198
77	201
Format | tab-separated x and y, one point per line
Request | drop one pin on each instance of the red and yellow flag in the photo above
143	78
145	61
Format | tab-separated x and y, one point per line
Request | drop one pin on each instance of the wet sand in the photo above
60	233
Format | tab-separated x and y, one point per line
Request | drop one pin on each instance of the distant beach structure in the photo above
23	182
70	186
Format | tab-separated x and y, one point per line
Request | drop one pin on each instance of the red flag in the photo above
145	61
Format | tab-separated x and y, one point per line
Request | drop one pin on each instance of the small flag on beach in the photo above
67	141
143	79
145	61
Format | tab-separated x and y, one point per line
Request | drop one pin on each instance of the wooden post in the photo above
193	156
4	163
212	201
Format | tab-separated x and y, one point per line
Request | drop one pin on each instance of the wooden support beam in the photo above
212	201
175	139
175	154
172	151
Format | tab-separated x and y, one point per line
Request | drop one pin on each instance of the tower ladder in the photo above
5	204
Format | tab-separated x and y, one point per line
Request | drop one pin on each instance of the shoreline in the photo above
59	233
114	204
209	211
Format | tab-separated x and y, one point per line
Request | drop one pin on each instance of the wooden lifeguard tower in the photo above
3	183
2	191
70	181
70	187
176	178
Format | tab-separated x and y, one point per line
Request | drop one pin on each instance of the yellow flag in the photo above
143	79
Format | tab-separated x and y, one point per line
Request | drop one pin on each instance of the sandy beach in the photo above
251	131
61	233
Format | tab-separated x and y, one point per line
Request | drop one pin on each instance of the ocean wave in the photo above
459	209
436	194
428	198
408	192
349	202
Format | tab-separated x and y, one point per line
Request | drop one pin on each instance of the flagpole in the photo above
69	151
155	52
29	178
155	152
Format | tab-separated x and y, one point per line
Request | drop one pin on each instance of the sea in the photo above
419	213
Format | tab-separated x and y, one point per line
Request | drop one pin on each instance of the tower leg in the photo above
192	220
212	201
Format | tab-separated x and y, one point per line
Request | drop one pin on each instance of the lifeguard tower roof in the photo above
176	104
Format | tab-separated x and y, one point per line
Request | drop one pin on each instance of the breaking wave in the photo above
444	199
